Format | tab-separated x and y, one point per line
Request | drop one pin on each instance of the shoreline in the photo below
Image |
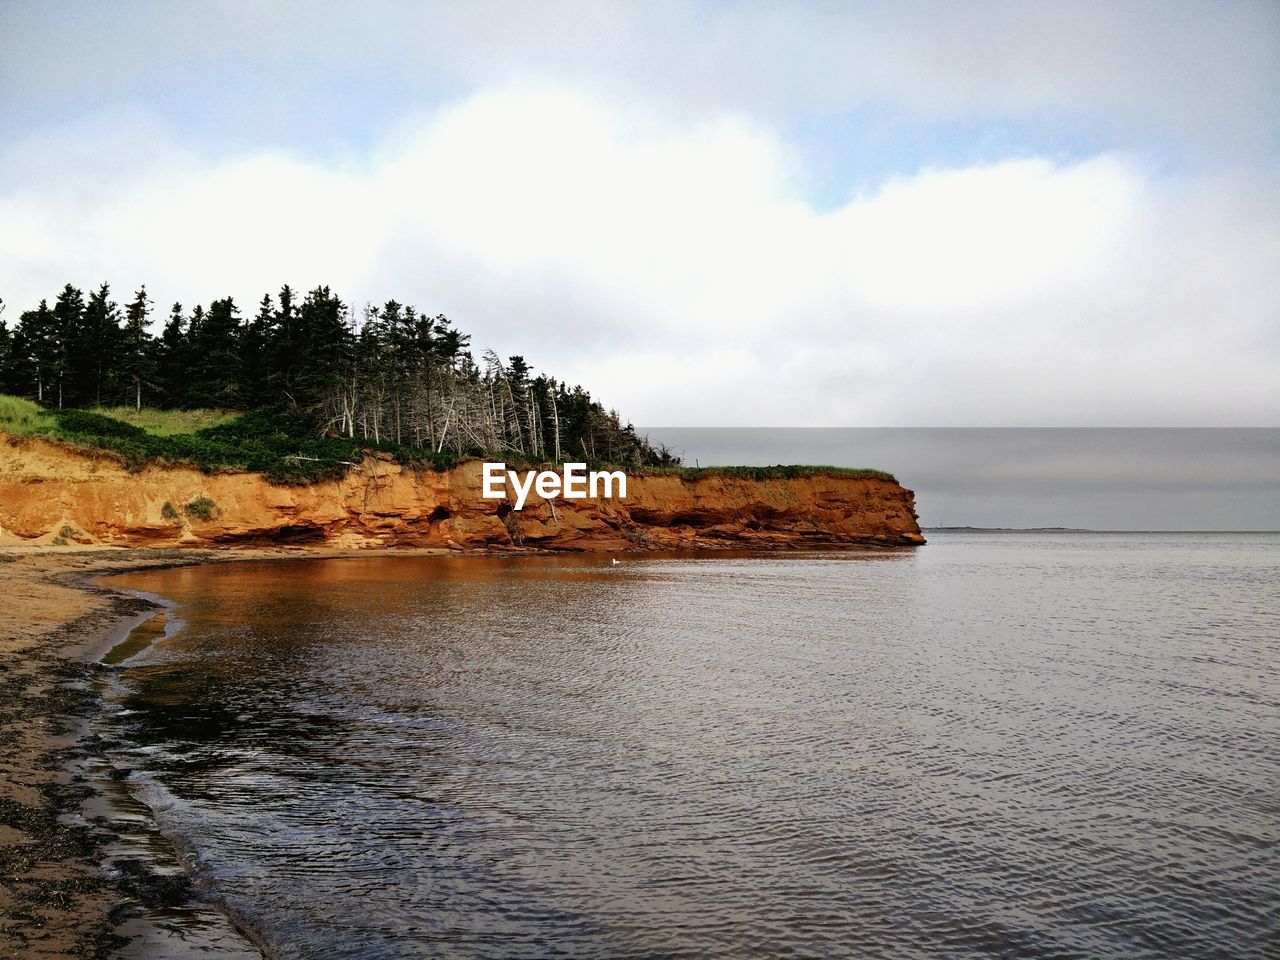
57	621
56	900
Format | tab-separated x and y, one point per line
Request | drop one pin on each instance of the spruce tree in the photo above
215	355
34	354
97	338
282	351
171	358
67	334
404	375
255	344
323	345
137	354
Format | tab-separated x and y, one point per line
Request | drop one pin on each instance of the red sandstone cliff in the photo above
48	490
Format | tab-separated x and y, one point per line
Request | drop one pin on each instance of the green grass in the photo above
202	508
22	418
287	451
25	418
284	450
168	423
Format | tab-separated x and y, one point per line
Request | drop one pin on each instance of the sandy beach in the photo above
55	898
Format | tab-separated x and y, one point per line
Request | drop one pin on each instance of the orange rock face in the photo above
50	491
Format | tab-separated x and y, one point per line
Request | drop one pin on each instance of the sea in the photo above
1040	745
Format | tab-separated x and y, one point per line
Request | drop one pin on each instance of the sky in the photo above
987	214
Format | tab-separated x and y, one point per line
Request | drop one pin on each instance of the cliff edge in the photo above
51	493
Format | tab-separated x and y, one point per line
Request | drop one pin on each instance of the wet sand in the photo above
56	900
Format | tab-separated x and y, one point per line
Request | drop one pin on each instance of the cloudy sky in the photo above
711	214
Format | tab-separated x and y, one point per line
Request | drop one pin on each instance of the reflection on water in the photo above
144	635
1019	746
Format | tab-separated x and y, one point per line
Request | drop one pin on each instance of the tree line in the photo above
393	373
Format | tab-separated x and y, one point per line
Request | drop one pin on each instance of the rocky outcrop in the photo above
50	493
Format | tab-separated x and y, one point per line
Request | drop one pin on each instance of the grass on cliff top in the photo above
167	423
24	418
284	450
287	451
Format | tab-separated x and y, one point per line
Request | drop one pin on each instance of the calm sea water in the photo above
992	746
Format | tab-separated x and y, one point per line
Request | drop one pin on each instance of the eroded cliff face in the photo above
50	491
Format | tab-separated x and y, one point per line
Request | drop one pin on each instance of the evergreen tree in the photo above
137	353
215	355
449	343
255	340
403	375
68	315
171	358
323	338
524	421
34	353
282	351
93	349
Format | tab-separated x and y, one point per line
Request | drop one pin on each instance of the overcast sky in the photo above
710	214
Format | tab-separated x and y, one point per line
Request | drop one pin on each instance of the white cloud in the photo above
670	266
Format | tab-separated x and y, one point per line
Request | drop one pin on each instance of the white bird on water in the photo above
616	562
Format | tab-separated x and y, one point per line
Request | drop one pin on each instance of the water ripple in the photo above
1032	747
